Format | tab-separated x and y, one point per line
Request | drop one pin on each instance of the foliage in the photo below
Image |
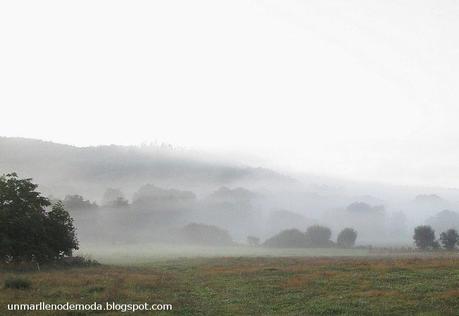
289	238
319	236
77	202
27	230
424	237
449	239
18	283
346	238
195	233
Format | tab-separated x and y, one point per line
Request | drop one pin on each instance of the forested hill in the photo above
62	168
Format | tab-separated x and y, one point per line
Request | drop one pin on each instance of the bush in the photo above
319	236
77	262
289	238
205	235
17	283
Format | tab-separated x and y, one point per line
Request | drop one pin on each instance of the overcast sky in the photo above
362	89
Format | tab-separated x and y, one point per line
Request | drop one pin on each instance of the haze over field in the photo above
139	194
281	114
241	157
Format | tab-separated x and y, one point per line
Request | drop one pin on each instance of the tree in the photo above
289	238
346	238
449	239
28	231
253	241
424	237
319	236
203	234
60	231
77	202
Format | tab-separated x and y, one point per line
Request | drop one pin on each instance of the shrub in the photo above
319	236
17	283
205	235
77	262
289	238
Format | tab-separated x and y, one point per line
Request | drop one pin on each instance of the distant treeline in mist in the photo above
122	194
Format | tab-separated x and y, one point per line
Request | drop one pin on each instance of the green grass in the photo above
258	286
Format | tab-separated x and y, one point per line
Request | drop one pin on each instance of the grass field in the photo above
255	286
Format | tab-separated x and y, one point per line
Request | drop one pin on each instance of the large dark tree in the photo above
28	231
424	237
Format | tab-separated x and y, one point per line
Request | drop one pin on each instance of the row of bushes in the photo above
314	236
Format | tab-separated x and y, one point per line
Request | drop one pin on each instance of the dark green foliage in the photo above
319	236
205	235
346	238
449	239
424	237
77	262
18	283
289	238
60	231
27	230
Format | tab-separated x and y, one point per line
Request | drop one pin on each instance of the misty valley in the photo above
116	229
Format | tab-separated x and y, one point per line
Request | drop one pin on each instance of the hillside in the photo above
61	169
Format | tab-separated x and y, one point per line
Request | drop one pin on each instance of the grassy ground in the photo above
258	286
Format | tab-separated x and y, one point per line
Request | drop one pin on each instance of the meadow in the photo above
285	282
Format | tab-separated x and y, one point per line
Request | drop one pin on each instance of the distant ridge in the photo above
53	165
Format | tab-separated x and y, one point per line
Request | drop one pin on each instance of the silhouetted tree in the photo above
289	238
319	236
424	237
27	230
195	233
346	238
449	239
60	231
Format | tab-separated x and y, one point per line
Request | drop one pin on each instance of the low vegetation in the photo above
260	286
19	283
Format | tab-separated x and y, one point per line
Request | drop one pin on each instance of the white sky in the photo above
363	89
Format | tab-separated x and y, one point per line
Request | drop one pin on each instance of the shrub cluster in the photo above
316	236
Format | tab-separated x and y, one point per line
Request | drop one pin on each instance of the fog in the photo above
154	194
245	117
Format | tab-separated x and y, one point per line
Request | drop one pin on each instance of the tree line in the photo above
424	238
